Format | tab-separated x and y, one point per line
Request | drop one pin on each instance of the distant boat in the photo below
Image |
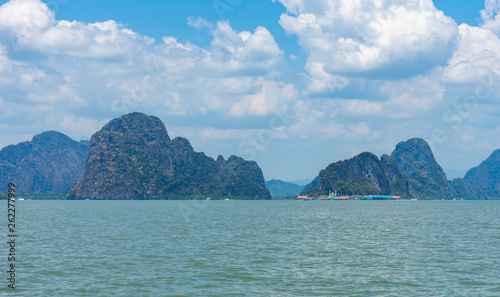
20	199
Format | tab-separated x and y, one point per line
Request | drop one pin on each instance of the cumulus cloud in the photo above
199	23
476	57
103	69
30	24
3	59
271	97
400	38
232	51
322	81
490	16
25	18
414	96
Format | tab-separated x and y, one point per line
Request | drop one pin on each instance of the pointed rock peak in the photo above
385	157
234	158
413	149
414	144
364	155
220	159
416	160
495	155
183	143
486	176
50	136
137	122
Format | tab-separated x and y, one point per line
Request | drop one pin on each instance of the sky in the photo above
292	84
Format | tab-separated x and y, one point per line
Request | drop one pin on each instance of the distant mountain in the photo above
410	172
364	174
282	188
426	178
50	163
132	157
312	188
461	190
486	176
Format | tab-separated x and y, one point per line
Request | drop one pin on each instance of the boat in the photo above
20	199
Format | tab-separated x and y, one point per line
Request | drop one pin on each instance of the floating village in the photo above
334	196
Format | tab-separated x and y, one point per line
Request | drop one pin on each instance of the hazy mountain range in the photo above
411	171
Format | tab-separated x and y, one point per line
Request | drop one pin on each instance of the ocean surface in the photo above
255	248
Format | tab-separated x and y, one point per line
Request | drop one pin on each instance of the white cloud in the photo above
176	106
355	37
244	51
25	18
3	59
130	72
199	23
477	55
7	110
359	107
31	24
271	97
321	81
490	16
64	95
82	127
96	40
414	96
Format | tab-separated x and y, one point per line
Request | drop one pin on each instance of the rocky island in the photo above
411	171
133	157
50	163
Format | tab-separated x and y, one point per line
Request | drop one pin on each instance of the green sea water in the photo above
254	248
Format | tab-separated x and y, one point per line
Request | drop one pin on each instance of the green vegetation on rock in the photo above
426	178
461	190
485	178
410	172
50	163
280	188
364	175
132	157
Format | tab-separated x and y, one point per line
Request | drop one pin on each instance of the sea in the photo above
254	248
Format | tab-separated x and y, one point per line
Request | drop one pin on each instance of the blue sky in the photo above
293	85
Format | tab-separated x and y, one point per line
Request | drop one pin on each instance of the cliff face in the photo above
398	182
50	163
461	190
364	174
132	157
427	179
486	176
410	172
